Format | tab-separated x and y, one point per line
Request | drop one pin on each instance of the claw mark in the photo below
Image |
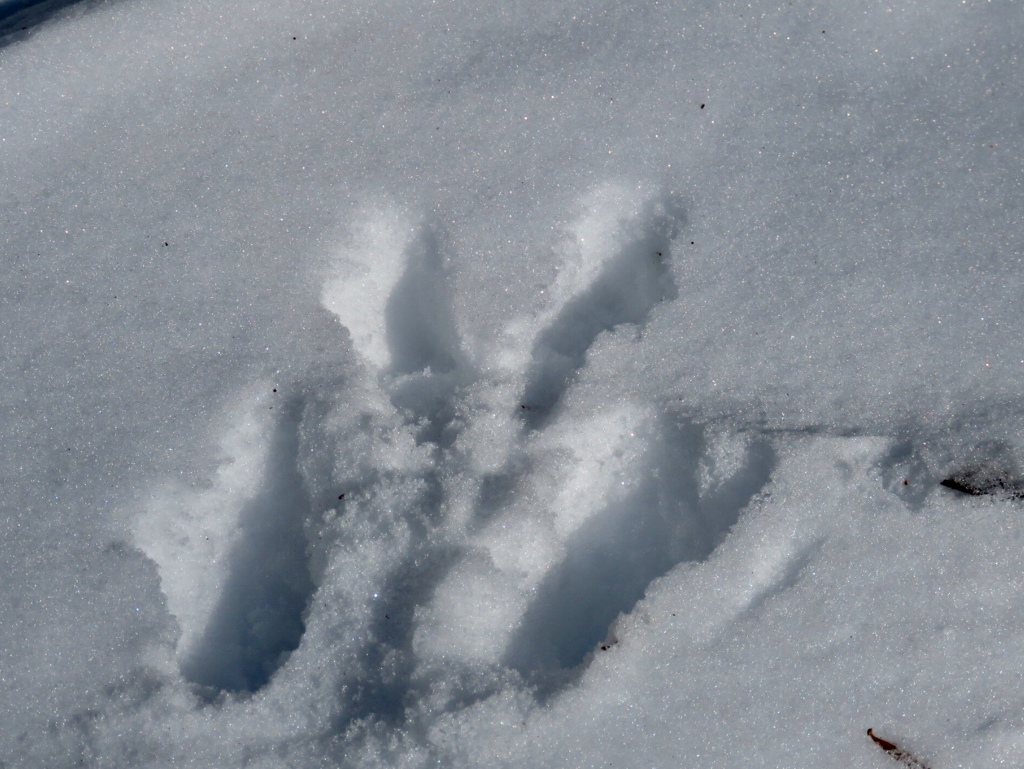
896	752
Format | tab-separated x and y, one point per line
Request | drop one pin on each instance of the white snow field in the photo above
523	384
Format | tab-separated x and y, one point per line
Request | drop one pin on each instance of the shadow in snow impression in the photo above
258	621
631	284
426	359
614	557
421	332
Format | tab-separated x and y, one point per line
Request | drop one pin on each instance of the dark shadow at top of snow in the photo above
631	284
20	18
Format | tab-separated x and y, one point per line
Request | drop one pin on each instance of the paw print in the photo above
442	508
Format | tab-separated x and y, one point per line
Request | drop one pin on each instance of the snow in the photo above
532	384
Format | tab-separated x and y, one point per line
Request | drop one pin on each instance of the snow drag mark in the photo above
369	479
562	477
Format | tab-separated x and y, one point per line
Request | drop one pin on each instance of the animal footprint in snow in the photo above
407	512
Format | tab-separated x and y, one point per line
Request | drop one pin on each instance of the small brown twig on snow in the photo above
896	752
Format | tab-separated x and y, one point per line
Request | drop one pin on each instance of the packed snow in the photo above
533	384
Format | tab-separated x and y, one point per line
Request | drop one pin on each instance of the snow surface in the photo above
525	384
